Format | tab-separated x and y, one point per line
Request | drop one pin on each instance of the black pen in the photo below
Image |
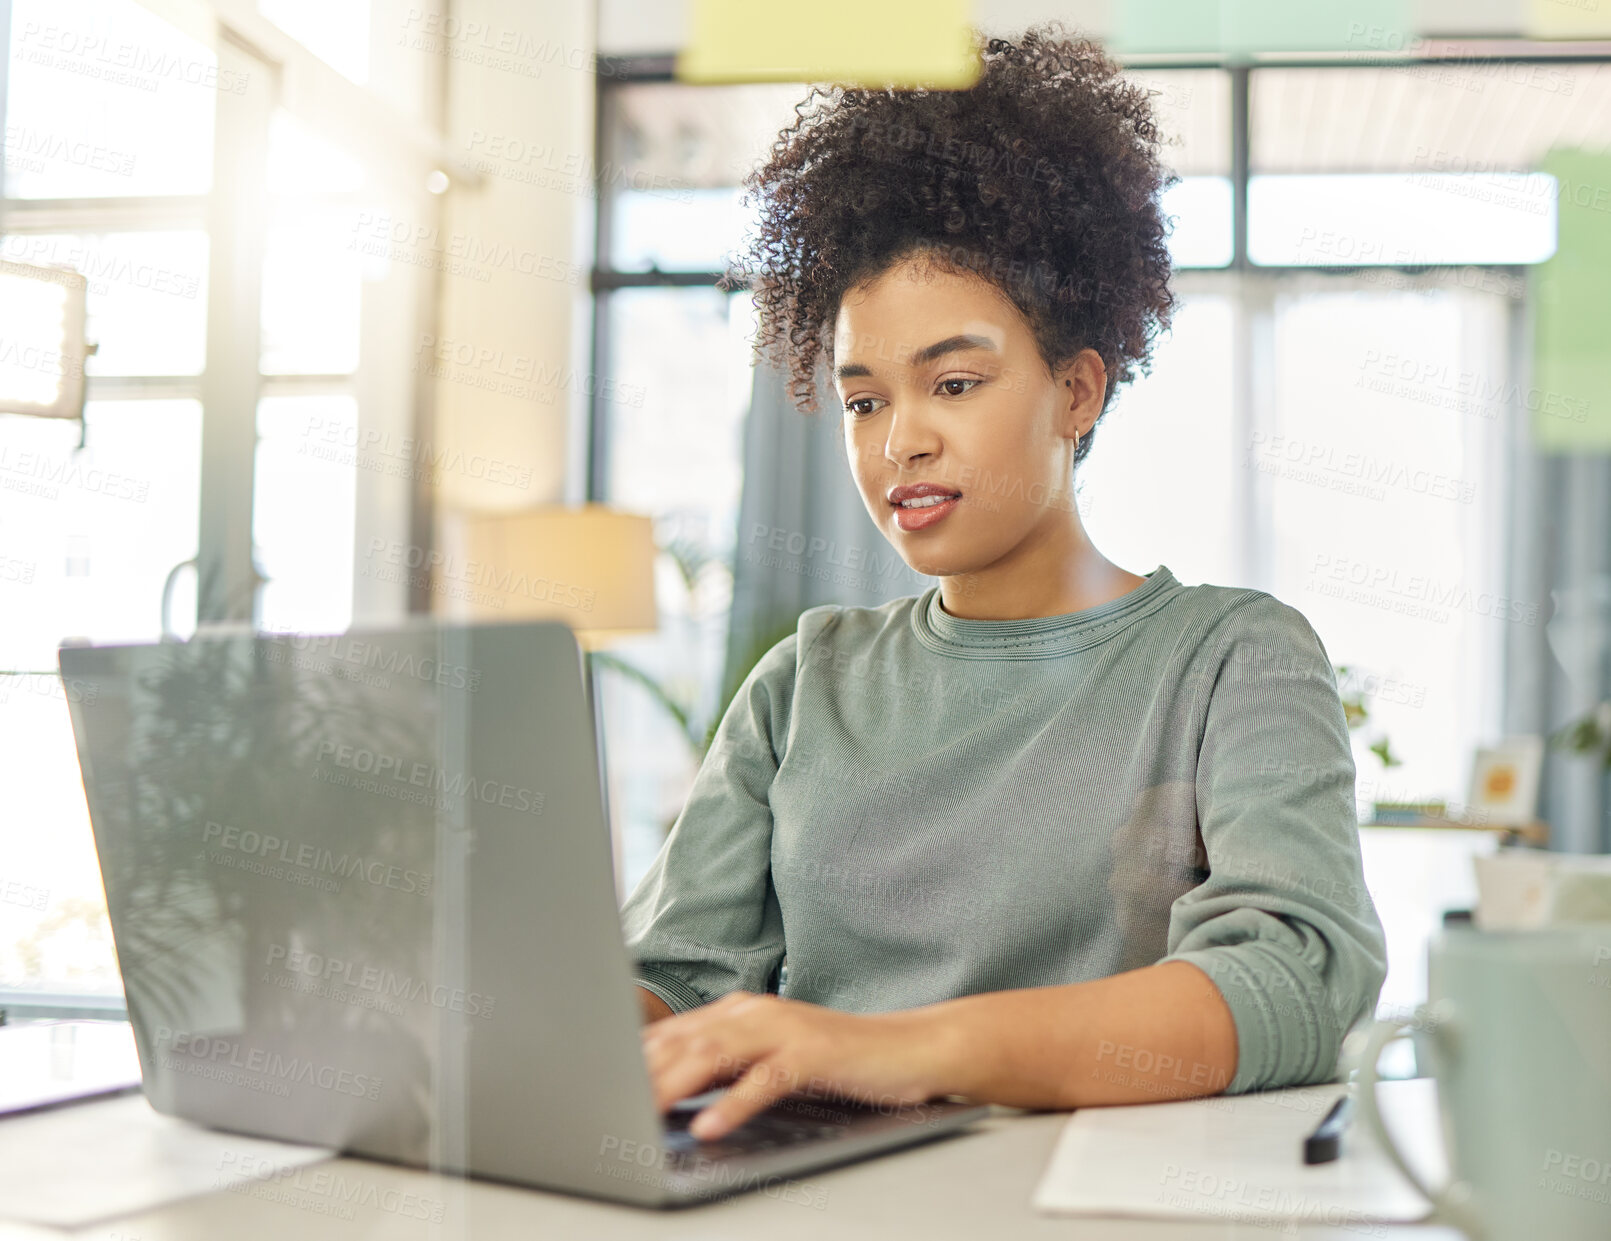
1324	1144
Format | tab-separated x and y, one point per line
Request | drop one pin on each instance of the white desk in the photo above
970	1186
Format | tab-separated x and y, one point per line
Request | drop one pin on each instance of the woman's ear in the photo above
1082	386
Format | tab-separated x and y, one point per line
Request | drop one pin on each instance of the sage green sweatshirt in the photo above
901	806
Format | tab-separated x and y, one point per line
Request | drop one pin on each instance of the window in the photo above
89	533
676	361
88	537
676	445
1414	165
80	125
110	171
302	491
1394	553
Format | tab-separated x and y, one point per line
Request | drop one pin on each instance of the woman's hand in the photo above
776	1047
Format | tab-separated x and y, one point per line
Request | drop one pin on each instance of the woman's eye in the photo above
854	408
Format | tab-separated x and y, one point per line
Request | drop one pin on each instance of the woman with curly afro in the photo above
1052	833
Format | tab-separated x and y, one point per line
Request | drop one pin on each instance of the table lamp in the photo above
588	565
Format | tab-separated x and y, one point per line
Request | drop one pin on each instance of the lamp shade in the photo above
589	565
42	323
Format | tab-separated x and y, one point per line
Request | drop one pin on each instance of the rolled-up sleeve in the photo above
1283	924
704	920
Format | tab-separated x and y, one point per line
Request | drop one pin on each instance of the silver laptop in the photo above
363	897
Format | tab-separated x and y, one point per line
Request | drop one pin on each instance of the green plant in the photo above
1357	714
698	735
1590	733
692	559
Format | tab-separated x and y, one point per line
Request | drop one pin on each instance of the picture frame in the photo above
1504	781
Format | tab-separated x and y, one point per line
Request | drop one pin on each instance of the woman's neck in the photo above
1049	575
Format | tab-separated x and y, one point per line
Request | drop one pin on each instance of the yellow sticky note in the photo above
1568	19
899	43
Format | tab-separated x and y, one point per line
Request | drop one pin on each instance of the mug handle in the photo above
1452	1203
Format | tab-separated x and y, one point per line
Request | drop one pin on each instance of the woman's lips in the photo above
910	519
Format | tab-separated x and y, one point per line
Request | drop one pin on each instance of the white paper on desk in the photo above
77	1165
1240	1157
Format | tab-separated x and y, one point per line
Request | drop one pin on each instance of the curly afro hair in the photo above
1043	177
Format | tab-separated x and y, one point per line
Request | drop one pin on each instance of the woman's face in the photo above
941	382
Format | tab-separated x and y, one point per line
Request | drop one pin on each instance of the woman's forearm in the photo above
1163	1032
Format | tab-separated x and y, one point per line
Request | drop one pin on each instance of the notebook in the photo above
47	1063
1240	1158
72	1167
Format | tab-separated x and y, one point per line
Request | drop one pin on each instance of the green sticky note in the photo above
1242	26
899	43
1570	394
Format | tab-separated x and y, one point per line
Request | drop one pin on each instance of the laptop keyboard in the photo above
767	1131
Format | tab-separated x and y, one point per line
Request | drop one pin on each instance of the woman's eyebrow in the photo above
925	355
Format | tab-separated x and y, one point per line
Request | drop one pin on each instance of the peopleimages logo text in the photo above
187	1050
313	858
394	660
424	776
379	981
481	573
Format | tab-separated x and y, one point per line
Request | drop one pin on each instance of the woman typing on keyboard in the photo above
1052	833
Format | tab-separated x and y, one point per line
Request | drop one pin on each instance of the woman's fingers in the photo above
772	1047
691	1052
686	1066
756	1090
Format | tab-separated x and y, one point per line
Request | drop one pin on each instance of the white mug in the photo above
1518	1027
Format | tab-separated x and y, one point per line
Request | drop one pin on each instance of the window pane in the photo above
336	31
682	372
312	295
302	162
1193	109
147	296
1401	218
303	510
106	98
86	540
676	435
665	133
678	229
675	155
1167	438
678	154
95	530
1429	163
696	229
1382	485
1469	115
1201	211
